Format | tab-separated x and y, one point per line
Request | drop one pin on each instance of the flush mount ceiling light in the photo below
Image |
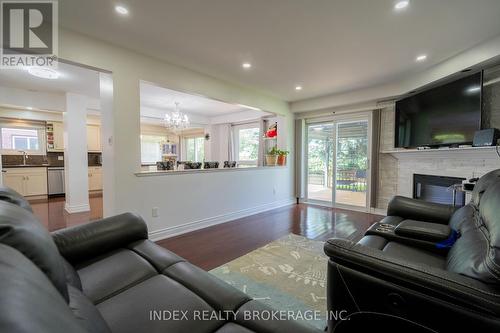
298	88
29	108
44	72
176	120
421	57
399	5
121	10
246	65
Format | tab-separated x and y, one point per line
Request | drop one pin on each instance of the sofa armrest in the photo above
420	210
89	240
433	282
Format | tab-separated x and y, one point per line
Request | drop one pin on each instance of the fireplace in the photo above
437	189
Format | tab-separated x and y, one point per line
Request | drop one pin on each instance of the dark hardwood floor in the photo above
50	212
214	246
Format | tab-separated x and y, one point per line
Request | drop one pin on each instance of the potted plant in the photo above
272	156
282	157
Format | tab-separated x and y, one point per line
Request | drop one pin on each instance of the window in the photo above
195	149
29	138
246	143
151	148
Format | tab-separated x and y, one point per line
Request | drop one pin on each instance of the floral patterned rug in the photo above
288	274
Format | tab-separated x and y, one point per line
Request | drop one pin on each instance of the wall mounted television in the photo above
447	115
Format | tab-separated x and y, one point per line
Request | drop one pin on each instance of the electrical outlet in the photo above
155	212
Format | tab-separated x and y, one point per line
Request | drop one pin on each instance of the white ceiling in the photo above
328	46
72	79
164	99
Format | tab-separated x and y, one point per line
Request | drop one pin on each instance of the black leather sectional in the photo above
107	277
429	263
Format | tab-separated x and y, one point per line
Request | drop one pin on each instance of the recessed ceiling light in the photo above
246	65
421	57
121	10
44	72
249	107
298	88
401	4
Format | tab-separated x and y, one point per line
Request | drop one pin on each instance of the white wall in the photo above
39	100
187	198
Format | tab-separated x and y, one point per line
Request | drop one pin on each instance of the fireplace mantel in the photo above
449	153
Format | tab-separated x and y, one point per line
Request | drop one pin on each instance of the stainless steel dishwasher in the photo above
55	181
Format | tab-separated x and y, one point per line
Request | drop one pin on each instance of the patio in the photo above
320	192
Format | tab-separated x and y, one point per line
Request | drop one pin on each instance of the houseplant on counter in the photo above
272	156
282	157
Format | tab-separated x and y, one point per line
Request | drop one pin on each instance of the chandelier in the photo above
176	120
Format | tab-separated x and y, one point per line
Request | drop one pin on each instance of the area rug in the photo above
288	274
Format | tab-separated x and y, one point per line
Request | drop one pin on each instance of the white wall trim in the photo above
77	208
207	222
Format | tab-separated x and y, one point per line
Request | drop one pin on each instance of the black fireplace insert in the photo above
438	189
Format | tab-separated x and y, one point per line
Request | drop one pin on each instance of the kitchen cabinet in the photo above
26	181
56	137
93	138
95	178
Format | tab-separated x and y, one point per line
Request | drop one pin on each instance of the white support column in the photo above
108	155
75	154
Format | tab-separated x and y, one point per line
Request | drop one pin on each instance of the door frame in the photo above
336	119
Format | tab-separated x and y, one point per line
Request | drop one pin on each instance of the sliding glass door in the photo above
351	163
320	155
338	153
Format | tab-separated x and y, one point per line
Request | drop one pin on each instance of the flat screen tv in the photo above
447	115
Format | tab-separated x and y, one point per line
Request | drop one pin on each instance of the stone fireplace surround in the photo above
453	162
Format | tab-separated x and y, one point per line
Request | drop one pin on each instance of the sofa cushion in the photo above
468	255
20	229
233	328
461	216
9	195
29	302
112	273
482	184
86	313
131	310
216	292
414	255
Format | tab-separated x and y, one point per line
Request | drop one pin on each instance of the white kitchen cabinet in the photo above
95	178
58	136
55	136
93	138
26	181
14	181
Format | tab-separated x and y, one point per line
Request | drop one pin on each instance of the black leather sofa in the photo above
448	284
107	276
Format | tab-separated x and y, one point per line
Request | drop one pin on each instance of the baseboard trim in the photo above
379	211
204	223
77	208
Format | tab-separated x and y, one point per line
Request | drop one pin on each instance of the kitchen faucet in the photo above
25	156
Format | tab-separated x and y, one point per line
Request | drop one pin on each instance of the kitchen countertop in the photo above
40	166
202	171
26	166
